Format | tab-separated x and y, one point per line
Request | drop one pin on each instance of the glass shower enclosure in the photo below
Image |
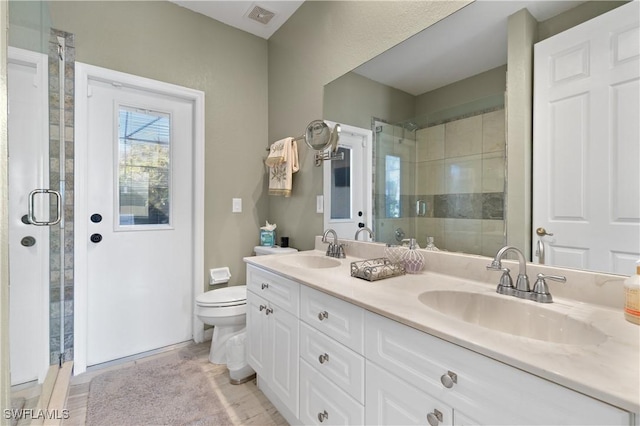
40	143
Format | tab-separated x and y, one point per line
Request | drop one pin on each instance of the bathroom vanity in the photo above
436	348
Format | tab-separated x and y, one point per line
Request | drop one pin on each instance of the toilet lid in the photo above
228	296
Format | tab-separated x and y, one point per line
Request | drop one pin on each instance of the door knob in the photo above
28	241
96	218
95	238
542	232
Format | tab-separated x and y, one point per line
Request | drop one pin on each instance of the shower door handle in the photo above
31	214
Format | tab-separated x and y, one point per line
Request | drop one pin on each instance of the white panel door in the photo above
140	219
347	184
28	170
586	179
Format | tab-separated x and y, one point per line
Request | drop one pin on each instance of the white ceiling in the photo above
466	43
470	41
235	13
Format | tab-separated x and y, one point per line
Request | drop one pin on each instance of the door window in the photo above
392	186
341	186
144	167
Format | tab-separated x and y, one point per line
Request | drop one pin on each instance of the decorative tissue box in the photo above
267	238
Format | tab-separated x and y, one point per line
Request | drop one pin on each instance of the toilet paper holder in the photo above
219	275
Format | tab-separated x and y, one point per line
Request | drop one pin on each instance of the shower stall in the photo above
442	175
40	68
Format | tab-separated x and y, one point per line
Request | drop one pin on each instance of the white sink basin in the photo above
513	316
312	261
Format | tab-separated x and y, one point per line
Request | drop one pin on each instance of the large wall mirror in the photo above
436	106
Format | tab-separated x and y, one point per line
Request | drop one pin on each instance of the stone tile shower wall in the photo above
460	175
61	175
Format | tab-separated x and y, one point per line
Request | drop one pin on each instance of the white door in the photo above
139	220
587	144
347	184
28	244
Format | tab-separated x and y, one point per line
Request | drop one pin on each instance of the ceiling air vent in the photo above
261	15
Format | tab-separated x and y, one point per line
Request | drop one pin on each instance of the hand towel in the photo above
282	163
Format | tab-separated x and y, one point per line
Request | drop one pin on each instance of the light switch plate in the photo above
319	203
236	205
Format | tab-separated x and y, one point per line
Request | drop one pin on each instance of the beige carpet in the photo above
171	390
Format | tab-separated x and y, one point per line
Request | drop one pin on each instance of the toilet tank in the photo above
264	250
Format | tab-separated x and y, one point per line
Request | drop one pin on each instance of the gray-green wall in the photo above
160	40
353	99
320	42
488	83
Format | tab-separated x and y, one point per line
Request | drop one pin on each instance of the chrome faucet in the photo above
522	288
364	228
335	249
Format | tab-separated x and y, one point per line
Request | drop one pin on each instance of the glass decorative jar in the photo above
412	259
394	253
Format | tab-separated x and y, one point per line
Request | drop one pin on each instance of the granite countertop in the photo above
608	371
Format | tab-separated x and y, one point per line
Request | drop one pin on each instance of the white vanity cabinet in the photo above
273	333
471	388
328	361
332	367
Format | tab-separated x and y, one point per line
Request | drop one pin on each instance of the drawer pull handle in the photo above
322	315
449	379
323	358
323	416
265	285
262	308
434	418
269	311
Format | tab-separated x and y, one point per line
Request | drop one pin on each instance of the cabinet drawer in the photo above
322	402
336	318
487	390
274	288
338	363
392	401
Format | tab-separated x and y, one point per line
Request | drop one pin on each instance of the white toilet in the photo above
226	310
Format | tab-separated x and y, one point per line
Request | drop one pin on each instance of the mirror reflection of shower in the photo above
442	175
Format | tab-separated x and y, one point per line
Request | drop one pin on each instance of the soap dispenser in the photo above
431	245
632	297
412	259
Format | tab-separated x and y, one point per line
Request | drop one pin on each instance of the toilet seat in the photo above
224	297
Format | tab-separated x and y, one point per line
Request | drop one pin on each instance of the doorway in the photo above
139	215
346	184
586	208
